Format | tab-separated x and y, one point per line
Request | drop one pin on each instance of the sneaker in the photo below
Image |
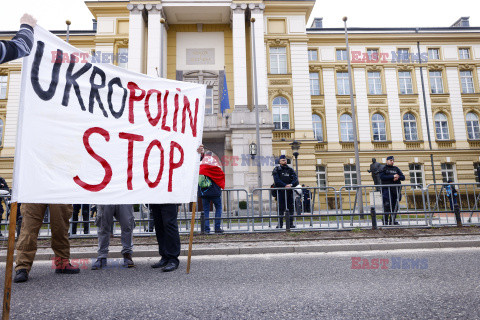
99	264
220	231
67	269
127	260
21	276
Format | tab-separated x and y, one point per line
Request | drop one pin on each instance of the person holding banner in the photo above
33	214
166	230
124	214
22	43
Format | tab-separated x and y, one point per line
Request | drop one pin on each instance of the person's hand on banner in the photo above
28	19
201	149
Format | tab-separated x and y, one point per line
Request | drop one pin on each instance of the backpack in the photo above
204	181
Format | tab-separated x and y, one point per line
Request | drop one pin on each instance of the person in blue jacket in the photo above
391	175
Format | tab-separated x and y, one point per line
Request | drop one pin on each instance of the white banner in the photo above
91	132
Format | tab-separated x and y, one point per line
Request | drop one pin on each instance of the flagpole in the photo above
359	194
257	120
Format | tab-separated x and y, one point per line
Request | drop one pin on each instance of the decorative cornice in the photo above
314	68
280	91
135	8
466	67
256	8
277	42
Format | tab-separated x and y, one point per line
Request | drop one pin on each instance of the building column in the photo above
302	104
136	38
239	55
258	37
456	108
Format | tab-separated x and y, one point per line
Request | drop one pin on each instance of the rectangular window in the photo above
123	58
403	55
416	174
350	174
374	82
343	85
278	60
464	53
312	55
341	55
466	78
405	79
372	55
436	81
281	119
209	101
321	177
476	172
3	87
314	84
448	172
433	54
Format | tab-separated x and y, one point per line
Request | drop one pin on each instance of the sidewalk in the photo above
263	246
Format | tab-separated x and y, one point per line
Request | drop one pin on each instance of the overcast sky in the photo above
51	14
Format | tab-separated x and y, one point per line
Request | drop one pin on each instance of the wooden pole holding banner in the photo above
190	242
7	291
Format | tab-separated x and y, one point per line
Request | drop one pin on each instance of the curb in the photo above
282	249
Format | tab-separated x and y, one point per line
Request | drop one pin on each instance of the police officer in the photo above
285	177
391	175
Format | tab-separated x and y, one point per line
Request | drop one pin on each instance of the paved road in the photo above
273	286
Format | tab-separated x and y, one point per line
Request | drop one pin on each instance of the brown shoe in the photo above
127	260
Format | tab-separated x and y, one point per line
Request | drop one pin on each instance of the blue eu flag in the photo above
225	103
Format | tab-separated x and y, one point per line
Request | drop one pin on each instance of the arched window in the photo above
473	128
281	118
317	127
441	126
410	127
378	128
346	127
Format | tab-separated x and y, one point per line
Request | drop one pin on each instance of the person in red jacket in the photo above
211	183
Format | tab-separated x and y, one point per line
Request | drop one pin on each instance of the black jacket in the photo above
3	185
283	175
387	176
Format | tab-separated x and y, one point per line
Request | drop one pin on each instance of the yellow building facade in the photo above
302	86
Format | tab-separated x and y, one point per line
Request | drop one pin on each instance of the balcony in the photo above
446	144
282	135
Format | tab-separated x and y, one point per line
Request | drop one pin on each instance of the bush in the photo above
242	204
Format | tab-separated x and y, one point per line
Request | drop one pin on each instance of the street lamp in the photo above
295	147
252	148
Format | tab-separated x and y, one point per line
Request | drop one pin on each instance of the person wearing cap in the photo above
391	175
285	177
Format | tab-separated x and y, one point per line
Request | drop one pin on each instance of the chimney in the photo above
317	23
463	22
94	24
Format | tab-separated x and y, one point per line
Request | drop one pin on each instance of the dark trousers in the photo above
166	229
85	217
390	206
281	197
217	202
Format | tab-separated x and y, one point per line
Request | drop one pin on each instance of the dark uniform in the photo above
85	217
391	195
3	186
283	175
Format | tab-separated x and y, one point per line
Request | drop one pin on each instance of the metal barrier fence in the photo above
443	197
309	208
